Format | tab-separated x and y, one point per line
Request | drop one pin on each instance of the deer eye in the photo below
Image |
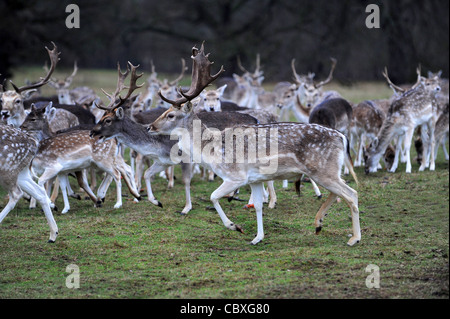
108	121
17	101
170	116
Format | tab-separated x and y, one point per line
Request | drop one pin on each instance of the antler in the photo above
54	58
300	79
201	77
240	65
330	76
392	85
419	76
183	69
120	86
69	79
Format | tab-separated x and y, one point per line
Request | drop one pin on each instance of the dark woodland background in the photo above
311	31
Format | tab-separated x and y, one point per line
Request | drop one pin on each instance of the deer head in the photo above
13	110
210	99
62	86
169	88
181	108
309	90
254	79
114	112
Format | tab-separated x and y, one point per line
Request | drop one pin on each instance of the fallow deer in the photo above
17	149
413	108
13	110
295	149
74	151
302	96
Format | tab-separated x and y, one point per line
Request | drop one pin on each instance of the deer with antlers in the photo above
302	96
13	110
74	151
413	108
116	124
294	149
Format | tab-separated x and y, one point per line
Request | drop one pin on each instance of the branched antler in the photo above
54	58
201	77
392	85
330	76
115	100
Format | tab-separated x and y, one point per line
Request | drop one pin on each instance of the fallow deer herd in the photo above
239	131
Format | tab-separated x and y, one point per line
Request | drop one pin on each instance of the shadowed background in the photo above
311	31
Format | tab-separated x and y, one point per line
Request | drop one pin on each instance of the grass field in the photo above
143	251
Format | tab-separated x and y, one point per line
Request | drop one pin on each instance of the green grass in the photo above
143	251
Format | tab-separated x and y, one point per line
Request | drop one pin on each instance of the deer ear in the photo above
120	113
222	89
48	108
26	94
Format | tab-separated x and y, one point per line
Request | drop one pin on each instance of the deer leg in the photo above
169	174
257	191
63	181
359	156
339	188
55	191
155	168
272	194
82	181
408	139
139	170
127	174
104	185
48	175
400	142
322	212
186	171
15	194
116	177
398	150
225	188
316	188
26	183
433	145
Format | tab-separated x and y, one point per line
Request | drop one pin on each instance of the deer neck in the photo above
135	136
385	136
42	134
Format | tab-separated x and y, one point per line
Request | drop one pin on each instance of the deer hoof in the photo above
352	241
159	204
318	229
239	229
